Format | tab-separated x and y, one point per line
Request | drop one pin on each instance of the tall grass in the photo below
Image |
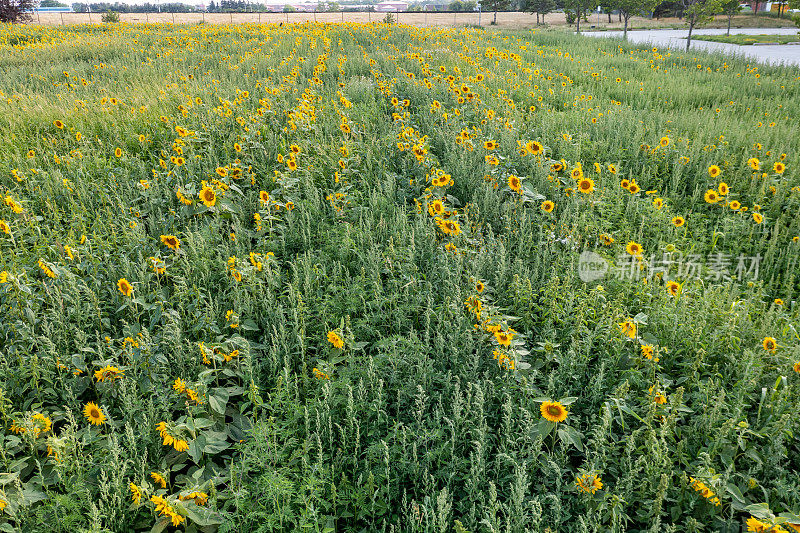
269	191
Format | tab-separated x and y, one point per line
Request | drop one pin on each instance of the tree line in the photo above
118	7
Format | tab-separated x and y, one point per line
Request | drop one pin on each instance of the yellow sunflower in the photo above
633	248
94	414
589	483
628	328
534	147
108	373
208	196
769	344
504	337
171	241
125	287
158	478
554	411
548	206
714	171
723	189
678	221
606	239
673	288
136	493
586	185
335	340
711	196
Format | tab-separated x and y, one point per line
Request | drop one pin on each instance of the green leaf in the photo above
200	516
570	435
158	527
217	405
542	429
569	400
195	450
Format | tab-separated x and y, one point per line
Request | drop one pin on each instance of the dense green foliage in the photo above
196	216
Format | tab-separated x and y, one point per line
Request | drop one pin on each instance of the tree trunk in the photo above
689	38
578	22
494	23
543	14
620	16
609	16
625	30
729	24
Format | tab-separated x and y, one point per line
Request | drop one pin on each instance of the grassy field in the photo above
369	277
750	39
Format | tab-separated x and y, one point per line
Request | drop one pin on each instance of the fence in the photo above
504	19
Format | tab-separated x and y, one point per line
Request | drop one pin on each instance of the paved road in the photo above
774	54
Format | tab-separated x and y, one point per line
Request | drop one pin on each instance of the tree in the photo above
671	8
540	7
495	5
699	12
458	5
15	11
729	9
628	8
580	8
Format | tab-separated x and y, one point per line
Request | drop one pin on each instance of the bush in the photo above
15	11
110	17
388	19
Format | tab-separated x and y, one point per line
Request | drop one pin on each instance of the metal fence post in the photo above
62	19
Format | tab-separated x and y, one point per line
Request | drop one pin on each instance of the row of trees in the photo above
118	7
694	12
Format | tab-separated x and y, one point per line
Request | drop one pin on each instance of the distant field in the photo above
508	20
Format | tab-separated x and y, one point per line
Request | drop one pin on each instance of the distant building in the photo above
386	7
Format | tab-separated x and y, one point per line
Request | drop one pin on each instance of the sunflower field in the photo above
371	277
